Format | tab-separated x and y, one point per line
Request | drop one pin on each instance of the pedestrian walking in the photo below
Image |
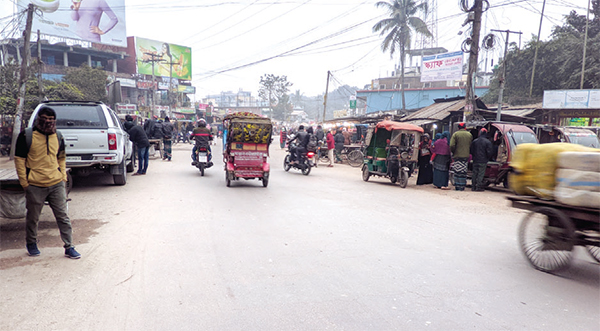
40	161
167	132
138	136
339	145
330	147
460	146
481	151
441	160
425	168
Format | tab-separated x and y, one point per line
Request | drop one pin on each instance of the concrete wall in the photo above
384	100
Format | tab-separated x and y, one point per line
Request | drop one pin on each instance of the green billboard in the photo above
169	59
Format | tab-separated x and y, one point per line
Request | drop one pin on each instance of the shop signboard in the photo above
127	82
163	84
571	99
79	22
186	89
126	108
442	67
171	60
145	84
186	110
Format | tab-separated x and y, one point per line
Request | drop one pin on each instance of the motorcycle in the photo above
202	159
305	163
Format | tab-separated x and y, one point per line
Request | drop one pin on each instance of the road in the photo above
172	250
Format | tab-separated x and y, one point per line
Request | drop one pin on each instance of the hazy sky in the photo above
303	39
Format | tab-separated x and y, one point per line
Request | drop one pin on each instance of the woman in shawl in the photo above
425	169
441	161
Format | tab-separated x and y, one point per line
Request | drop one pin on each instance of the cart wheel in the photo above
286	163
306	170
355	158
594	252
546	238
265	179
324	159
403	178
365	173
227	180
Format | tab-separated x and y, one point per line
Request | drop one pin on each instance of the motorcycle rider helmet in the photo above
202	122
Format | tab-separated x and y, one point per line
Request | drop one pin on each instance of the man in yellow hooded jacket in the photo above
41	167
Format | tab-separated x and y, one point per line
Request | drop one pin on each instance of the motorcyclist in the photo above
203	137
301	139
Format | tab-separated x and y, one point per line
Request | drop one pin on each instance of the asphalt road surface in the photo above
172	250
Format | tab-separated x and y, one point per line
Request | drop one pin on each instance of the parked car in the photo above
94	138
574	135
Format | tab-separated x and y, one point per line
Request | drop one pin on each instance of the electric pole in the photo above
170	83
470	104
537	46
587	23
40	67
325	98
155	58
502	77
22	81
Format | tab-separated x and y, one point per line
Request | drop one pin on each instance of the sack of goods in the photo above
578	179
534	167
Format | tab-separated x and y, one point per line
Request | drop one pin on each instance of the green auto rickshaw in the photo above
392	151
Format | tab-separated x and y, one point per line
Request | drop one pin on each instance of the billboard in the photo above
571	99
98	21
442	67
165	56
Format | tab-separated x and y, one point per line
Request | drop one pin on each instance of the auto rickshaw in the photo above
246	149
391	151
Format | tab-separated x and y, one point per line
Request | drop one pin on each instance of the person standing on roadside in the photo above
330	147
40	161
138	136
339	145
320	134
481	150
149	126
460	146
167	131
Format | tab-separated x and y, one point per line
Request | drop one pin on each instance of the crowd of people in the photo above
438	155
309	139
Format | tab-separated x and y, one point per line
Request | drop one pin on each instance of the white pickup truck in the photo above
94	138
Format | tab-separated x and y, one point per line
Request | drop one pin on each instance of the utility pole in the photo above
502	77
22	81
40	67
470	104
537	46
155	58
587	22
325	98
170	82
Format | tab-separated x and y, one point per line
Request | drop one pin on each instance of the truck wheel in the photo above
130	167
121	179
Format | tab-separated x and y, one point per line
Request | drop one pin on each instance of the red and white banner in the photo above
442	67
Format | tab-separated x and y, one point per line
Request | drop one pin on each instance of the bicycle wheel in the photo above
355	158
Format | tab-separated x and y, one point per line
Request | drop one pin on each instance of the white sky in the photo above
227	34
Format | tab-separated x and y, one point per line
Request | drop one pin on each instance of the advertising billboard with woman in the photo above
98	21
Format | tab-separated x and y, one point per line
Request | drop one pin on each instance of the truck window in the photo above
79	116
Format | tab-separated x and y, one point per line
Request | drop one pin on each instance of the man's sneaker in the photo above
72	253
32	250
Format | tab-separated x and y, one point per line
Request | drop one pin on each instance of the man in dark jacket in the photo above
299	138
339	145
138	136
149	126
481	151
167	132
320	134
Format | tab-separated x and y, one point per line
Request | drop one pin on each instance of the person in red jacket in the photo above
330	147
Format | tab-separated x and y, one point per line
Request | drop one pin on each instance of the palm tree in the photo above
398	28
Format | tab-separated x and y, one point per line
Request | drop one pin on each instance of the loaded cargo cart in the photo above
550	231
559	184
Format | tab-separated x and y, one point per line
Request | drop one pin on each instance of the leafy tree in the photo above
272	89
62	91
90	81
9	88
558	65
398	29
284	107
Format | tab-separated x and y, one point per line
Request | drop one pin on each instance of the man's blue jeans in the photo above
144	158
